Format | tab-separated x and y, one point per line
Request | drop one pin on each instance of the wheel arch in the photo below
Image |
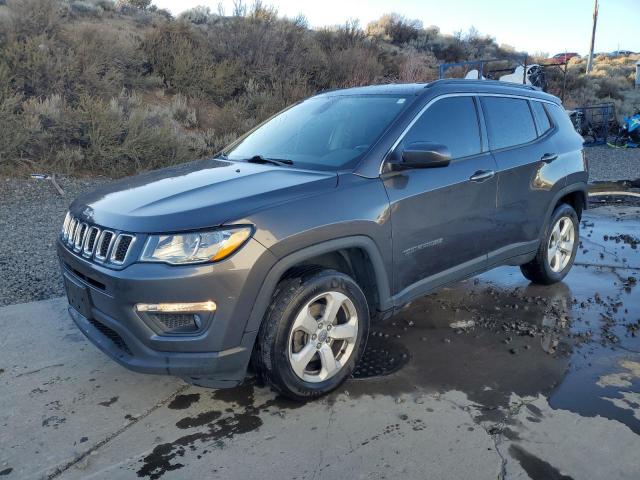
574	194
357	256
577	198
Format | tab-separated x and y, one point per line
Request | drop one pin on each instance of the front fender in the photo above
281	266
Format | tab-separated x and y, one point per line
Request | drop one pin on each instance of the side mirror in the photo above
425	155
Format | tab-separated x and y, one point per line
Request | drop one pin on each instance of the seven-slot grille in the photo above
91	241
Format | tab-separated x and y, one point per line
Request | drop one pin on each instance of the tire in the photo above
294	343
547	268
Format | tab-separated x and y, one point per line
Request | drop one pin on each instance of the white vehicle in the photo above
534	76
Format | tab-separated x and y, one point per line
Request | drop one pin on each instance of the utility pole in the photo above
593	36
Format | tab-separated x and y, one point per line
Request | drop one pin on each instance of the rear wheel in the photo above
557	250
313	334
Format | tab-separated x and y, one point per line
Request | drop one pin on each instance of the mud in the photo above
241	416
182	402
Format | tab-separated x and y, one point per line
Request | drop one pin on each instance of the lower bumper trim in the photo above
225	368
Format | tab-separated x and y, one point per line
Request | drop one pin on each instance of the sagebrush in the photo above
97	86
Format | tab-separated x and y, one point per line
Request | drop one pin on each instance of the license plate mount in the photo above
78	296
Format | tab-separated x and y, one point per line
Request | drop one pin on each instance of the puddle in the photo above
624	192
531	340
519	343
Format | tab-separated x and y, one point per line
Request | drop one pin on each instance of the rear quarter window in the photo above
542	120
560	117
509	121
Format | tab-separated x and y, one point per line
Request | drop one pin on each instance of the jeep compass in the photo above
282	249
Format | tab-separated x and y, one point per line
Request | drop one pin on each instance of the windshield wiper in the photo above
274	161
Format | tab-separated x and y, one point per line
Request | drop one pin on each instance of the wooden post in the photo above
593	36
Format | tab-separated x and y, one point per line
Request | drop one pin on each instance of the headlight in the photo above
195	247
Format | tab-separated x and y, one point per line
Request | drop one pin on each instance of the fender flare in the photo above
574	187
274	275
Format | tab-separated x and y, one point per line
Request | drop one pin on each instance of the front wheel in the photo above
557	250
313	334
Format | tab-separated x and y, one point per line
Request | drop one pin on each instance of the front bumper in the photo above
218	355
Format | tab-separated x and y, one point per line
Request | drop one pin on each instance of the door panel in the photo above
442	220
443	224
526	182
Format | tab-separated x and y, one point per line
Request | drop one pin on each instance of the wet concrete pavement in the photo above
534	382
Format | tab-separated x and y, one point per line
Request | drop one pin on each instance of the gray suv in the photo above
334	213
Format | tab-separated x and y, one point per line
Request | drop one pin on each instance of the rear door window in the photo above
542	119
452	122
509	121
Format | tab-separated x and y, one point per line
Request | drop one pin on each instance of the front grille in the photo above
72	231
91	241
121	248
104	244
81	231
112	335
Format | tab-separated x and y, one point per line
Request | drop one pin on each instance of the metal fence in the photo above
595	122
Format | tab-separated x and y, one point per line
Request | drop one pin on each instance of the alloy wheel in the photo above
323	336
561	241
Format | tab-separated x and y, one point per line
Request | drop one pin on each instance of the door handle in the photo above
549	157
482	175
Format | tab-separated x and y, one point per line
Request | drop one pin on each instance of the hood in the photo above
196	195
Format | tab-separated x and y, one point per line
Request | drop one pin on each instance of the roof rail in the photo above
471	81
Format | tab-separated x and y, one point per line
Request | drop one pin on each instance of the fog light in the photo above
177	307
177	318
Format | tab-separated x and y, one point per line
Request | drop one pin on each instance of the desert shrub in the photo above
141	4
630	104
182	113
36	66
30	18
198	15
104	59
125	136
13	134
418	67
395	29
178	54
83	8
139	89
106	5
115	137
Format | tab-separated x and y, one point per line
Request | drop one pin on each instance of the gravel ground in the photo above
611	164
31	213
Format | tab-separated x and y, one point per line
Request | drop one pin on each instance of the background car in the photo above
562	57
622	53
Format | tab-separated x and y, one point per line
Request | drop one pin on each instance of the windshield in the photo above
322	133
